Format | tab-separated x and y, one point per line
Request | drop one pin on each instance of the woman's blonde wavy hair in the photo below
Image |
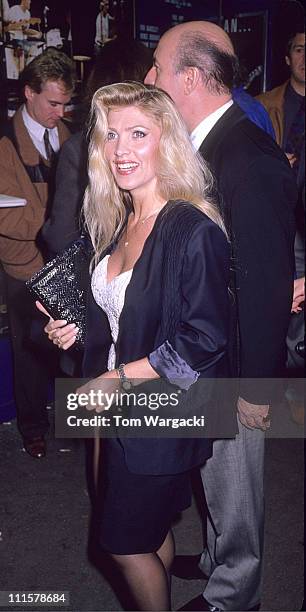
181	173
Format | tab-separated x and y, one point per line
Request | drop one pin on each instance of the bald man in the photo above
195	63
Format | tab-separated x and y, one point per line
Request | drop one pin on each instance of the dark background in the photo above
263	28
259	28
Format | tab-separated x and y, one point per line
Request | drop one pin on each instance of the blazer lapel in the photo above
63	132
28	152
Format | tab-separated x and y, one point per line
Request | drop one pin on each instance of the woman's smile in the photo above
126	167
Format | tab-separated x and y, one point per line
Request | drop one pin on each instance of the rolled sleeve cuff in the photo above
168	364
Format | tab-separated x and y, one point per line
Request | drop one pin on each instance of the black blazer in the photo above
199	306
258	197
63	225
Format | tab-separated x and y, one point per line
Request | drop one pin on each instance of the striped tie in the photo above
49	150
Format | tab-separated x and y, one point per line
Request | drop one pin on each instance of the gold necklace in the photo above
142	221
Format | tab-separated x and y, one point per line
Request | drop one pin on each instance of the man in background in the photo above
286	103
21	32
195	63
28	152
20	12
103	25
19	17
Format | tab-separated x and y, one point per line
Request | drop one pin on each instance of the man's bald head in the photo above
195	63
208	48
210	31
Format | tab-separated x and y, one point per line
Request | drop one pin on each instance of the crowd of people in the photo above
190	206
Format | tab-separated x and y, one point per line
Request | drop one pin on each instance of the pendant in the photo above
126	244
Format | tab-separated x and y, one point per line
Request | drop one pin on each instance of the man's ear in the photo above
28	93
191	79
287	60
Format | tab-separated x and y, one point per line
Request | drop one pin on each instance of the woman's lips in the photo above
126	167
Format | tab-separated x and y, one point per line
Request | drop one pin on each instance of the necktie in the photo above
49	150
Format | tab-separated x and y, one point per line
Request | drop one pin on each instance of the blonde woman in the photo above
159	308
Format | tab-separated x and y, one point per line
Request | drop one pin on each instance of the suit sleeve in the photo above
63	226
22	222
200	339
263	233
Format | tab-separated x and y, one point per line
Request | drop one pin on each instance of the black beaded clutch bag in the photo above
61	287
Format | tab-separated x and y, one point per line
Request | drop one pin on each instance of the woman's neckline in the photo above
108	282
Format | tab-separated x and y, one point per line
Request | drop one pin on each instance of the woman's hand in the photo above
102	391
58	331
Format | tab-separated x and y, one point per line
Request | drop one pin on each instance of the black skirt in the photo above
135	511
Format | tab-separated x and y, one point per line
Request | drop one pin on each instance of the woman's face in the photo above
132	150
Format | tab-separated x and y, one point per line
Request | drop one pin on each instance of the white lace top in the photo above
110	297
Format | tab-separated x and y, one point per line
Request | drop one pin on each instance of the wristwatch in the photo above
125	382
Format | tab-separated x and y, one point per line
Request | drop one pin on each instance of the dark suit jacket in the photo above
198	306
63	225
258	197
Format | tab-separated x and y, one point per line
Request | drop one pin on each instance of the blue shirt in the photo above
254	110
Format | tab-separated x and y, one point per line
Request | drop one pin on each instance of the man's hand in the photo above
291	159
298	294
253	416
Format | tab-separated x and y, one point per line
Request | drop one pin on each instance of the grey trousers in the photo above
233	484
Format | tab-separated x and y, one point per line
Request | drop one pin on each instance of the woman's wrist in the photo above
135	371
111	374
125	382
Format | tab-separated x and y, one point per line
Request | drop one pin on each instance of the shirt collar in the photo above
202	130
36	129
